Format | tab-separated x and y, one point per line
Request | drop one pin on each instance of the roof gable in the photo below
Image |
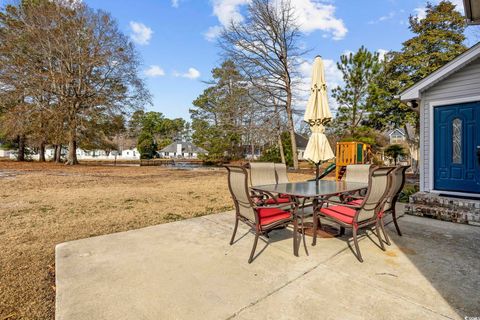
301	141
414	92
397	131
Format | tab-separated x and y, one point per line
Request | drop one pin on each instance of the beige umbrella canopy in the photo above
316	115
317	111
318	148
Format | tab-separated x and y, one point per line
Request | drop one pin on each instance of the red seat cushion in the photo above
279	200
271	215
340	213
356	202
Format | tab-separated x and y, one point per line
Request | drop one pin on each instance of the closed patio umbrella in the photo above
317	115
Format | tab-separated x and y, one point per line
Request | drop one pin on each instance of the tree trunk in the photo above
55	152
413	147
279	134
58	153
57	156
72	147
21	148
280	147
291	129
41	152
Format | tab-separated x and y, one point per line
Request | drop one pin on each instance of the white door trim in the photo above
431	164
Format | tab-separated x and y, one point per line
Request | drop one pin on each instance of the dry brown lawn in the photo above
42	205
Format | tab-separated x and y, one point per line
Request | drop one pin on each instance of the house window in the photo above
457	140
396	139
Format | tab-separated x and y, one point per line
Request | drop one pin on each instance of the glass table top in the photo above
310	189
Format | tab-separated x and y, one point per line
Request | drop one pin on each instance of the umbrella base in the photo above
326	231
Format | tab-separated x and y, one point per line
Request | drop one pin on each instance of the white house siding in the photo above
463	84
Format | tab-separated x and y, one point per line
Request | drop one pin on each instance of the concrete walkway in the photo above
187	270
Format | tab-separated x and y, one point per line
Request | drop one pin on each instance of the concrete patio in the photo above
187	270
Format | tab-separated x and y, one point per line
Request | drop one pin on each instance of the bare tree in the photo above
265	48
75	55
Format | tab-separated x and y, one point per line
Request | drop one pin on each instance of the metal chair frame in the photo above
356	224
255	224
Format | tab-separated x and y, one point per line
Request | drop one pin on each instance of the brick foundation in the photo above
446	208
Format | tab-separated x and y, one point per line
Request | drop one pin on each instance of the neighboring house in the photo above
126	154
184	150
301	145
449	102
397	136
247	152
4	153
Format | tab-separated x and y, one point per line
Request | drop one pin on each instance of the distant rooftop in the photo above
187	147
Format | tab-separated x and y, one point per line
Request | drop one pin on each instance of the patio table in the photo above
310	189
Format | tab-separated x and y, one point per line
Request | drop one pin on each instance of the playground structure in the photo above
347	153
350	153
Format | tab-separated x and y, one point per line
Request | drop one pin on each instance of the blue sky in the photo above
176	38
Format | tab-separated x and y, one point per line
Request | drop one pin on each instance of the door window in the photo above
457	141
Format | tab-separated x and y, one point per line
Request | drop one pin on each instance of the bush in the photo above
147	146
272	154
407	191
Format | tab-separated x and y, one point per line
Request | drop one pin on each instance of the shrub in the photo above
407	191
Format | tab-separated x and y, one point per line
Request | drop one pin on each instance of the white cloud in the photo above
389	16
192	73
312	15
333	77
421	12
141	34
154	71
382	53
212	33
458	4
175	3
228	10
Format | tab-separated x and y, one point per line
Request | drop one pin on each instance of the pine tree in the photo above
438	39
359	72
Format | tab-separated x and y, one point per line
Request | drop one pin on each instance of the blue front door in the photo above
457	147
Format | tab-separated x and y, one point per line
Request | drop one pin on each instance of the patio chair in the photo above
358	216
281	173
358	173
261	218
397	182
264	173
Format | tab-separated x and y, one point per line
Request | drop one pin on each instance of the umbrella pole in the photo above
317	172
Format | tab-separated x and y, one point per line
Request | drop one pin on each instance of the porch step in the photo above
459	210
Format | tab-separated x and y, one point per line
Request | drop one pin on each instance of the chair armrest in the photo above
343	204
356	197
278	206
